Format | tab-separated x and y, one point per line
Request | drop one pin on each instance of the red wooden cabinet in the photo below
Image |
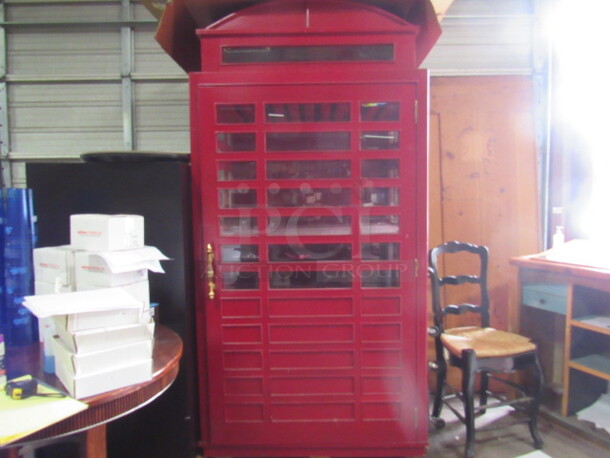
309	151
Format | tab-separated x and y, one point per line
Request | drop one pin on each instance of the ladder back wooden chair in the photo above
477	349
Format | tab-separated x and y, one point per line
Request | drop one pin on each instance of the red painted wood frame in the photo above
311	222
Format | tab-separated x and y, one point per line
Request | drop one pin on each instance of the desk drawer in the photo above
545	296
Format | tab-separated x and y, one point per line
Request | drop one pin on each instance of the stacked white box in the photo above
125	268
91	271
96	232
104	339
54	269
53	273
101	350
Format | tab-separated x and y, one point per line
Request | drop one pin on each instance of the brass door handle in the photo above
210	271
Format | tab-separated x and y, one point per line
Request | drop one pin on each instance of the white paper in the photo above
581	252
598	412
96	300
535	454
128	260
19	418
599	321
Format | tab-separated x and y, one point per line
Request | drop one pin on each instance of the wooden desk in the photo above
104	407
565	308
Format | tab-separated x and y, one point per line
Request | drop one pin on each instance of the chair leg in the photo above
483	391
441	375
468	375
535	404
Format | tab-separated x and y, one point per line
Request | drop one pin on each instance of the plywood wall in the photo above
483	174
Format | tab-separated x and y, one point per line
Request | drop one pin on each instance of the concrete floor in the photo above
512	441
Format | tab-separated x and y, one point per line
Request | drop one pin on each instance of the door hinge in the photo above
415	267
416	114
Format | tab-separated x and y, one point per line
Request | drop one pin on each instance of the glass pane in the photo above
308	141
257	54
380	251
235	142
240	280
379	224
307	112
238	170
379	111
380	168
310	252
235	114
308	197
380	279
238	226
239	253
378	140
310	225
310	279
299	170
379	197
237	198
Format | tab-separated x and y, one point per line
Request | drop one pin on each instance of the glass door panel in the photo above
310	252
235	142
239	253
316	53
379	140
379	197
307	141
380	251
308	170
290	226
232	226
380	168
307	112
236	170
237	198
308	197
380	111
379	224
235	113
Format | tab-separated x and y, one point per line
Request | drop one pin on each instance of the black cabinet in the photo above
160	191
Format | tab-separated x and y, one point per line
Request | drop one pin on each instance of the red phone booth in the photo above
309	152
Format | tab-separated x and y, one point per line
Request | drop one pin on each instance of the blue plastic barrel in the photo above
20	326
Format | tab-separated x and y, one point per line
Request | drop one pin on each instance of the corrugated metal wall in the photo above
485	37
87	75
84	76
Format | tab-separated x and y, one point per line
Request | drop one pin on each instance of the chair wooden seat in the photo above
476	350
486	342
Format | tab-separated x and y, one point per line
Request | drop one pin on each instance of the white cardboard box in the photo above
110	358
97	232
80	310
89	385
42	287
90	340
93	320
54	266
139	290
92	271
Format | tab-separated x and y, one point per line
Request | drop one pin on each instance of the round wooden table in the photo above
103	408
